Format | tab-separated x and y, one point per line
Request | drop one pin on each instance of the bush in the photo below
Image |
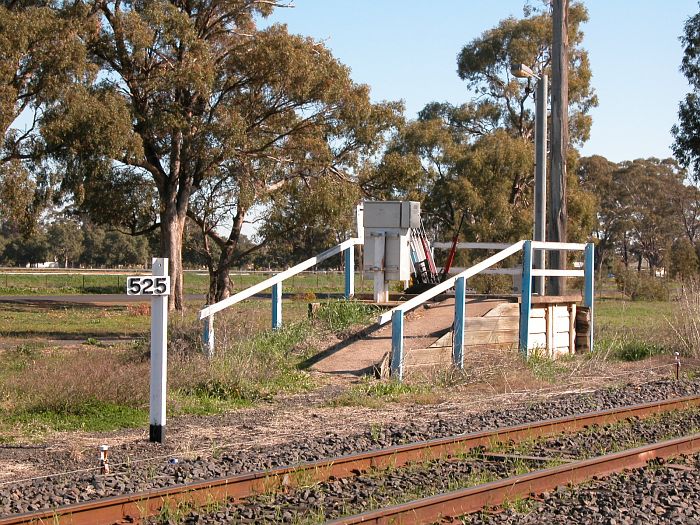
339	315
640	286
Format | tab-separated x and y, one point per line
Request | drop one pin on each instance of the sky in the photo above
407	49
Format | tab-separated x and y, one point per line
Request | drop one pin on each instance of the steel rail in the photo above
474	499
149	503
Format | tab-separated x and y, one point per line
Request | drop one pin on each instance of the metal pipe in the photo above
540	177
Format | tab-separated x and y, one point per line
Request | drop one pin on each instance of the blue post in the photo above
458	334
588	291
349	272
526	300
396	367
276	306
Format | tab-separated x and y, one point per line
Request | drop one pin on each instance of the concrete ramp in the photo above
423	327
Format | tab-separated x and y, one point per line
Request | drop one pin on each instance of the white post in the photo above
159	357
381	292
208	336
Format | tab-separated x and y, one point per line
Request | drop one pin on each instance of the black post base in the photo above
157	434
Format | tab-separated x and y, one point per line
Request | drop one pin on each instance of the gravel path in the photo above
58	490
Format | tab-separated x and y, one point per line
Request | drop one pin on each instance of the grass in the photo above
66	282
374	393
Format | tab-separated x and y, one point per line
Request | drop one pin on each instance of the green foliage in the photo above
641	286
686	146
242	372
636	350
339	315
485	64
683	260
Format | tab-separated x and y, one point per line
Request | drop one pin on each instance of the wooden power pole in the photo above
560	139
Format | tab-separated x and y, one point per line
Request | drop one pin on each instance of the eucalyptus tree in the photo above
477	157
42	53
192	98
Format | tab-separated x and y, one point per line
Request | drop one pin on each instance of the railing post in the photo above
396	367
588	291
526	298
458	331
276	306
208	335
349	272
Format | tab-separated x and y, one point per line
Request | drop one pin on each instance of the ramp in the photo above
423	327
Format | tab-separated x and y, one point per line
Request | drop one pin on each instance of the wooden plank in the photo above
572	328
538	326
428	357
561	311
538	312
560	324
485	338
560	340
504	310
537	341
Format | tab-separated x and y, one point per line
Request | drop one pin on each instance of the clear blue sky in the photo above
407	49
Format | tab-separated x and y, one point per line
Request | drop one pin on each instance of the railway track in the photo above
133	507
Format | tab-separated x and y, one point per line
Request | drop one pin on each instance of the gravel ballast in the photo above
62	490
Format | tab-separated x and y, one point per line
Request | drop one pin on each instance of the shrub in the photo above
640	286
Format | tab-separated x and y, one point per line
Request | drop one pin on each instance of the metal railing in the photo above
347	248
458	282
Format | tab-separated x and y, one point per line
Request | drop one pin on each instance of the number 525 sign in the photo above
148	285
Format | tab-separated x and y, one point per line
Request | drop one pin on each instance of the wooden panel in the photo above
428	357
572	328
538	325
484	338
538	312
537	341
504	310
561	312
491	323
560	324
561	340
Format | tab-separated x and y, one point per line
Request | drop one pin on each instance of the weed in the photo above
340	315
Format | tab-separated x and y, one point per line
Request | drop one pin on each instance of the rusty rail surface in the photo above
131	507
474	499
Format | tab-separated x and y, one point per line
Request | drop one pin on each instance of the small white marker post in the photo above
158	287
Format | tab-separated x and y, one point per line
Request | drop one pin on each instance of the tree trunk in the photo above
173	226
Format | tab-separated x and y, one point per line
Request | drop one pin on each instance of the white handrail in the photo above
449	283
547	272
277	278
472	245
548	245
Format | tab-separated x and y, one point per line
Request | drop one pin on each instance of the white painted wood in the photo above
449	283
537	341
503	271
538	312
557	273
561	340
560	324
472	245
278	278
570	246
159	350
538	325
561	312
572	328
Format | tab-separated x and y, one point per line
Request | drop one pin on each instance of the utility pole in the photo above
540	177
560	139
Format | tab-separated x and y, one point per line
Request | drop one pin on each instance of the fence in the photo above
458	282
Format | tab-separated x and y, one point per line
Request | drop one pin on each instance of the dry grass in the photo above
685	324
